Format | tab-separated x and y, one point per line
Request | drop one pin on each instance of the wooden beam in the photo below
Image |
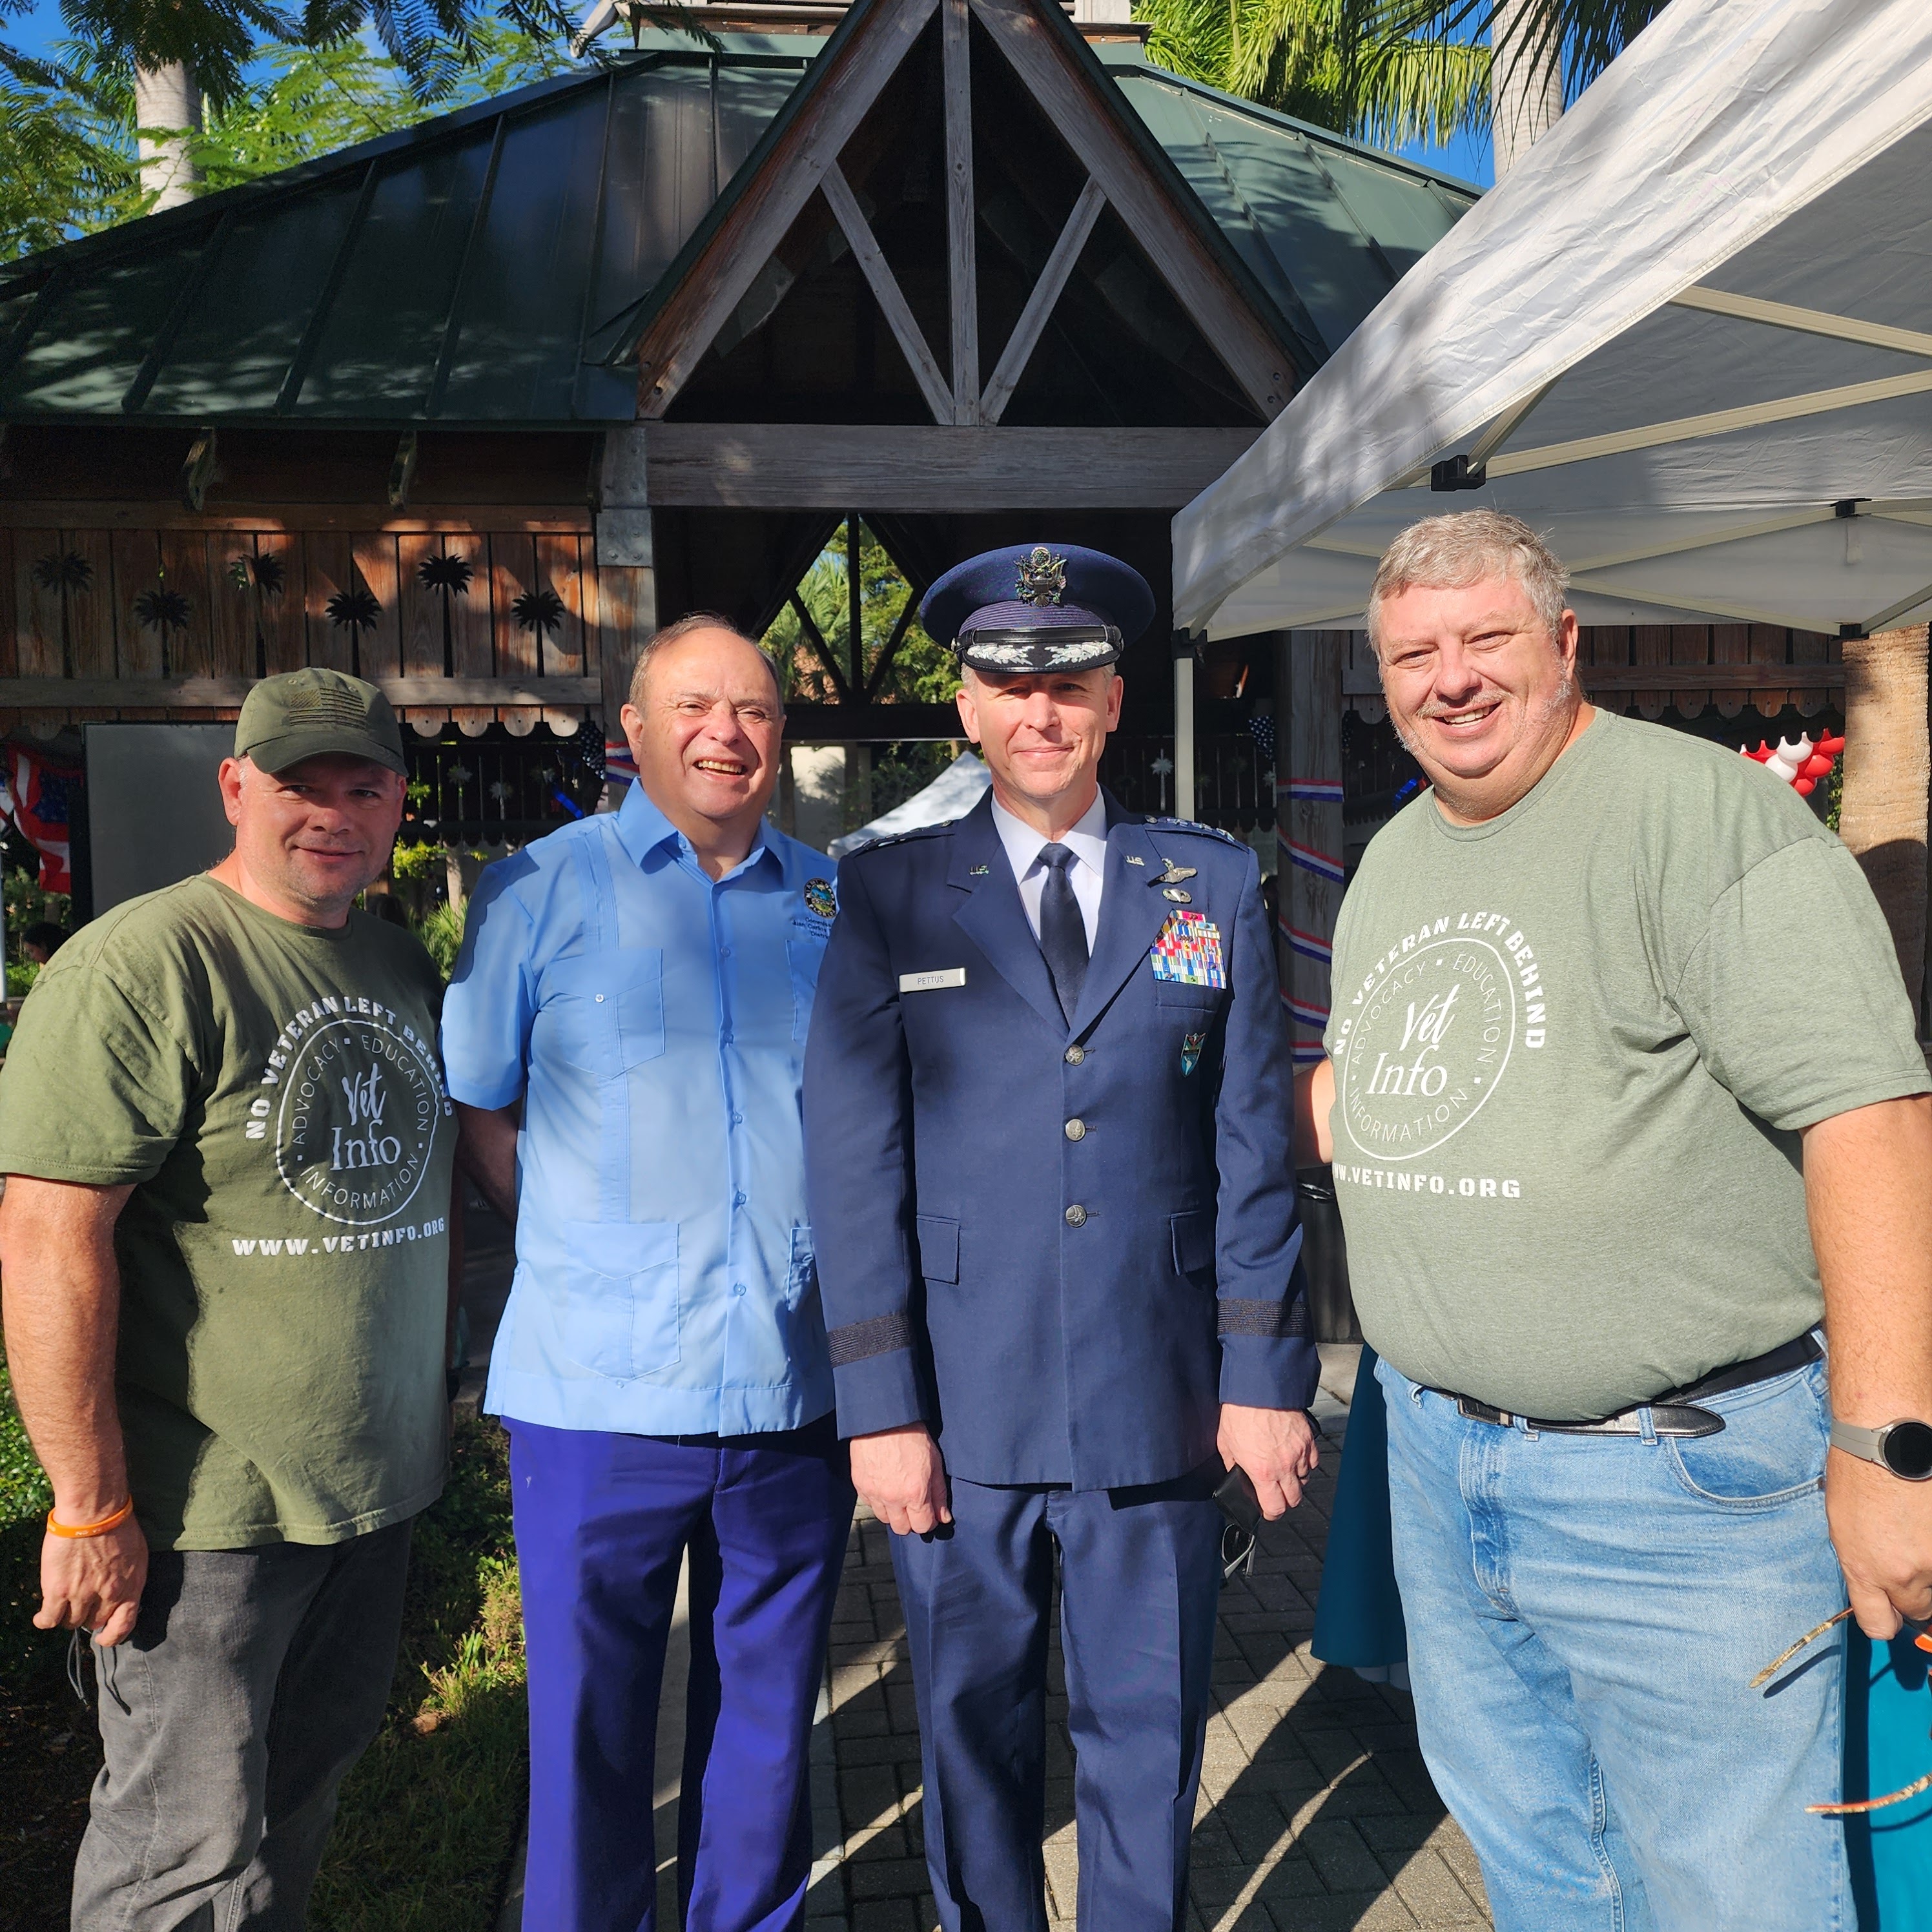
870	724
1039	305
831	466
1180	256
964	276
1778	676
51	513
212	694
884	285
677	336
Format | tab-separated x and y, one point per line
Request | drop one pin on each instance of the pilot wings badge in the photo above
1043	577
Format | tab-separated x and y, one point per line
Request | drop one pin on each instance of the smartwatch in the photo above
1905	1448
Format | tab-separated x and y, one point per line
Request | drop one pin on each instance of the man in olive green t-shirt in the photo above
1624	1099
225	1252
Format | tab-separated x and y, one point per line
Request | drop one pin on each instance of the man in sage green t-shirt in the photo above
225	1257
1625	1098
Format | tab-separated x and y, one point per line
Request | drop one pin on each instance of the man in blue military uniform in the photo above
1047	1106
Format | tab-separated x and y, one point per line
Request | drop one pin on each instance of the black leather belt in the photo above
1675	1412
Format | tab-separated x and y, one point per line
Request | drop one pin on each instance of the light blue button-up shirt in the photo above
653	1022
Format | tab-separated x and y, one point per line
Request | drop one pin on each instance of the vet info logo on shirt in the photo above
352	1098
1427	1040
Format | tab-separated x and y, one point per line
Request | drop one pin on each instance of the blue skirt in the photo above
1888	1702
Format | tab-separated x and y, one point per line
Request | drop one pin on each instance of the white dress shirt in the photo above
1087	841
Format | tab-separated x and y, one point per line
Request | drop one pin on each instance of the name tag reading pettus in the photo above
931	982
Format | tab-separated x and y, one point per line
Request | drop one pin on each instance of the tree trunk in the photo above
167	110
1882	813
1525	83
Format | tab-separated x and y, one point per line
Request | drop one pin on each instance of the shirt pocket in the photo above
607	1007
805	951
802	1277
621	1303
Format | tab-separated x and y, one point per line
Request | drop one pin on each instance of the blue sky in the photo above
1467	156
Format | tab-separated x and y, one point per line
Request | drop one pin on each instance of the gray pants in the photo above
254	1680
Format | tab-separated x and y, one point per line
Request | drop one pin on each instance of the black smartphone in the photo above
1241	1523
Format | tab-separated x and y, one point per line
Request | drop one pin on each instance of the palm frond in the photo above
1579	37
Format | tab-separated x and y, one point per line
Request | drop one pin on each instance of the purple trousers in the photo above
602	1521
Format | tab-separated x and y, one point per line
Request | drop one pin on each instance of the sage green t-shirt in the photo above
1572	1047
273	1093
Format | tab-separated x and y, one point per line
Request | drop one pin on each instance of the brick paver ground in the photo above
1315	1814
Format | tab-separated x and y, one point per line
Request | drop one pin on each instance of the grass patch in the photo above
28	1658
428	1819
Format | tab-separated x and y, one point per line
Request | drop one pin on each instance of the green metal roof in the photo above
488	266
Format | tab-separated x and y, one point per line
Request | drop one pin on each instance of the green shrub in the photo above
441	932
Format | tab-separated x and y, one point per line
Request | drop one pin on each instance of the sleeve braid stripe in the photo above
859	1341
1271	1321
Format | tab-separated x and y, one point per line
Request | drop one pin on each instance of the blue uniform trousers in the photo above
1139	1572
601	1522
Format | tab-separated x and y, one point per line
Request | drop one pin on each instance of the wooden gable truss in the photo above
965	458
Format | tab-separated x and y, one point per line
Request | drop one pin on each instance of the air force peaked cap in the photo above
1035	607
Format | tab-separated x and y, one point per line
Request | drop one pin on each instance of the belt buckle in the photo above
1472	1411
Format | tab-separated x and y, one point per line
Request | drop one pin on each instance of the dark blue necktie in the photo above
1063	932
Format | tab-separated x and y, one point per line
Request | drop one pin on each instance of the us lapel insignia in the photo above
978	872
1174	893
819	899
1190	1052
1133	859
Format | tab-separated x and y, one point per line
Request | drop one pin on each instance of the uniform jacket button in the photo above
1074	1055
1076	1130
1076	1216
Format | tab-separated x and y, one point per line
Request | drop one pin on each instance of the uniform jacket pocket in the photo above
1193	1234
620	1311
938	1247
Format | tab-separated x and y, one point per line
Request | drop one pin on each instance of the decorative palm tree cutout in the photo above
164	611
69	574
263	576
540	611
451	575
354	611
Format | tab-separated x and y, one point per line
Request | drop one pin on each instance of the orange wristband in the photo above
99	1529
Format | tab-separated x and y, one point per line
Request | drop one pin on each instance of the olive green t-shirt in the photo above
273	1093
1573	1046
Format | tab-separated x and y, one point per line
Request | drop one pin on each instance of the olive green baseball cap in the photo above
302	714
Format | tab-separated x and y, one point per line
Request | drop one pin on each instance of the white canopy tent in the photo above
1690	337
951	795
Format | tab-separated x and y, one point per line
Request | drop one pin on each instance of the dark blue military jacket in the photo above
1061	1247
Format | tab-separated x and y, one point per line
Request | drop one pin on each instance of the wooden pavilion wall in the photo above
161	613
1649	669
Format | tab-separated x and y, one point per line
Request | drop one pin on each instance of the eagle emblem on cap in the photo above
1042	576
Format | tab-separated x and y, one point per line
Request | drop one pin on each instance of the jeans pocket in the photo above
620	1314
1771	1451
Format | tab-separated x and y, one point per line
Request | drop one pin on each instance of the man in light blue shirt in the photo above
625	1037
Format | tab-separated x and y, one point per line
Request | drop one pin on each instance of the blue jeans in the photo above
1585	1614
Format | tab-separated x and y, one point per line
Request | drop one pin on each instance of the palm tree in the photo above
354	611
1312	58
69	573
451	575
1543	53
